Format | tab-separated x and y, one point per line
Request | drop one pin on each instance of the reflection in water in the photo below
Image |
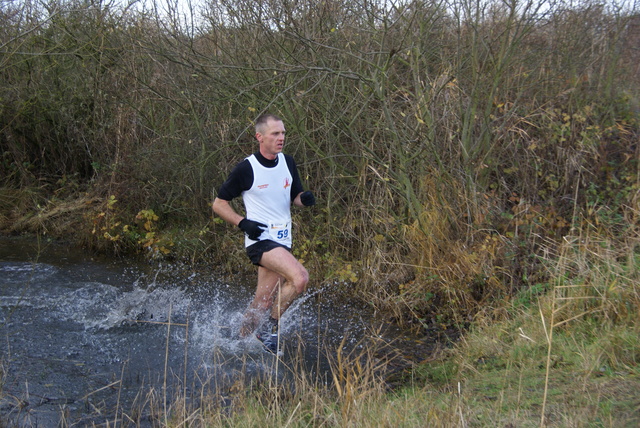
87	340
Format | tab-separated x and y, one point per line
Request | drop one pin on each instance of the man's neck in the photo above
268	156
264	161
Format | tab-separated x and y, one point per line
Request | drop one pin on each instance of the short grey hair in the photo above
262	120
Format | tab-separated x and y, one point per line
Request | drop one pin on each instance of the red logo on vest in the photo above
287	183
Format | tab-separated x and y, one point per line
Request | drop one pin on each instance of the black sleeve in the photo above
296	187
240	179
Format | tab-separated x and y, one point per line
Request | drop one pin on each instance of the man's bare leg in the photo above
296	278
268	282
281	278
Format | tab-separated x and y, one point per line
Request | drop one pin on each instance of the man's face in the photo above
271	139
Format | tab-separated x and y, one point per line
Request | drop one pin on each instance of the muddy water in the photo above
88	340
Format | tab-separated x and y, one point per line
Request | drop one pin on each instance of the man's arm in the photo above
226	212
252	229
299	197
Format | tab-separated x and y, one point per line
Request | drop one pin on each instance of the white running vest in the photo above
268	200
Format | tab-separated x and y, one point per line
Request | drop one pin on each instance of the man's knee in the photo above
301	280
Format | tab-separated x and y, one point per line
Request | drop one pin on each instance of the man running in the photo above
268	182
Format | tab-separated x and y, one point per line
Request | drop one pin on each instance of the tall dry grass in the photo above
449	143
565	355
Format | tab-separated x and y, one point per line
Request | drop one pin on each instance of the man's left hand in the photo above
307	198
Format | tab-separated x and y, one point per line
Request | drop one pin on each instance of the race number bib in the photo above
280	232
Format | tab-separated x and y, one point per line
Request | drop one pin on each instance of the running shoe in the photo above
268	335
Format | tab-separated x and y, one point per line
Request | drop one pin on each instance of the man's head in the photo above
270	134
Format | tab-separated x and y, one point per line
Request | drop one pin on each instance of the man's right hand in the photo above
253	229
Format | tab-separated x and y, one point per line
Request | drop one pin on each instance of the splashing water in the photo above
82	336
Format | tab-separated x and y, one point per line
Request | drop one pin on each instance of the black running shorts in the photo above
255	251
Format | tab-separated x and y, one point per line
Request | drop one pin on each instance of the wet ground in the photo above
93	340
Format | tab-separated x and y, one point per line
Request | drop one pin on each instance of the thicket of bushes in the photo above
451	145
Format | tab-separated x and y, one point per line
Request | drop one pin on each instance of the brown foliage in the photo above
444	144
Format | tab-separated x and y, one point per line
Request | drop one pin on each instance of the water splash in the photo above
77	326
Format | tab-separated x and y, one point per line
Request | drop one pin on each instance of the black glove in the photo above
307	199
253	229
